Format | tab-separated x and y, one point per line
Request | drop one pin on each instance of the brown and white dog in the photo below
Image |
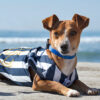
65	38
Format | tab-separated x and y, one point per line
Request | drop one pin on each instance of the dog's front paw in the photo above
73	93
93	91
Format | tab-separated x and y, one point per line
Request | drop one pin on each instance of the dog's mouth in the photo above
64	52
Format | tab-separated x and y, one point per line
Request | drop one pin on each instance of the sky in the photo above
28	14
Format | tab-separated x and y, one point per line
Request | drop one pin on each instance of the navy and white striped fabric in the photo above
47	69
14	65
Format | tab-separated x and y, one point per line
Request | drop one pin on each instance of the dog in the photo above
52	69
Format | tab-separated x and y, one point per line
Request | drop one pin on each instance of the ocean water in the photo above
89	48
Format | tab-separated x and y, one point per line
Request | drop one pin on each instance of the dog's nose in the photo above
64	47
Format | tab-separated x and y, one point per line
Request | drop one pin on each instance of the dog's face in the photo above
65	35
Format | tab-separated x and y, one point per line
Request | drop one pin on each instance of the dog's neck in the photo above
65	65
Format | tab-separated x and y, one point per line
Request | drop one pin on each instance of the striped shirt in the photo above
14	65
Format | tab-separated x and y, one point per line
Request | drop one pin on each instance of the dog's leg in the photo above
78	85
52	86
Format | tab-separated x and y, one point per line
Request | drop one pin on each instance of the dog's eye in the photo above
56	34
73	33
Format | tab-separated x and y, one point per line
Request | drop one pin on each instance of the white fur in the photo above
72	93
68	67
66	38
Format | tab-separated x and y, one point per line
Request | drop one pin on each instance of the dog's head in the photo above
65	35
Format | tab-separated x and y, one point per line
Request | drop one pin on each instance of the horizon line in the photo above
42	30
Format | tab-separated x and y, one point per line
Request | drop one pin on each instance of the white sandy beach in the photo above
88	73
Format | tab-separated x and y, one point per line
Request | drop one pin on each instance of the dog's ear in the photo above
81	21
50	22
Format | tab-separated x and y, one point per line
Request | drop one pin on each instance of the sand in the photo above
89	73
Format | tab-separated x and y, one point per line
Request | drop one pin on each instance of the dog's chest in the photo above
68	66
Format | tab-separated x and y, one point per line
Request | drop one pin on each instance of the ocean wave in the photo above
28	40
21	40
90	39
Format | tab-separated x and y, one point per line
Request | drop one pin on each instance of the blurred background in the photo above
21	24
